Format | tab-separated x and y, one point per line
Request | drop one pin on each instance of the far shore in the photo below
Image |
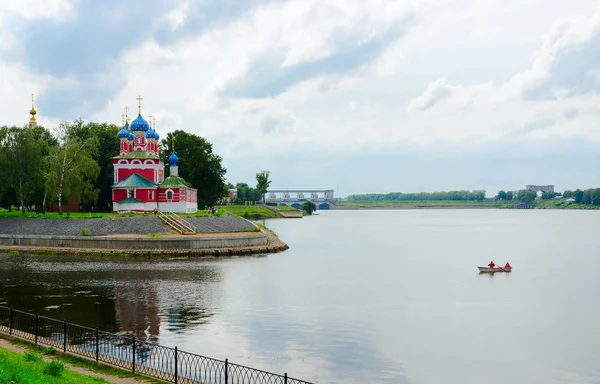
396	207
454	204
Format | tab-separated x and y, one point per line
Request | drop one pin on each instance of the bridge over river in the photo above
295	197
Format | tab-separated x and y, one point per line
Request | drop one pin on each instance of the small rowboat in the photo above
493	270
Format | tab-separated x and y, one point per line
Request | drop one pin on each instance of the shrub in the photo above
49	351
54	368
309	207
32	357
84	232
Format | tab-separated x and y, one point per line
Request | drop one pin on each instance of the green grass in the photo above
559	204
286	208
204	213
253	212
418	203
68	215
83	363
29	368
267	229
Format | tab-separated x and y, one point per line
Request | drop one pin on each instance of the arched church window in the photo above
169	195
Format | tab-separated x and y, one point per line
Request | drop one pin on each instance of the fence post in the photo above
37	322
226	371
285	378
175	365
97	344
133	355
64	335
11	321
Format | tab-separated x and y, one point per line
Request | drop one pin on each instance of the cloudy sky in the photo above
359	96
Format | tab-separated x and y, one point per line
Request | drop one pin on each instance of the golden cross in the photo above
150	120
139	99
154	123
126	110
32	101
123	119
172	143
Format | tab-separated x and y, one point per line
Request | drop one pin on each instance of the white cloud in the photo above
38	9
532	103
181	82
459	76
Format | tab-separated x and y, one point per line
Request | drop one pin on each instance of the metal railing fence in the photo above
127	352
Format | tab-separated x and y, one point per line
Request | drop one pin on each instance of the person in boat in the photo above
491	264
507	266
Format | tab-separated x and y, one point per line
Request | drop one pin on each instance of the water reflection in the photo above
129	297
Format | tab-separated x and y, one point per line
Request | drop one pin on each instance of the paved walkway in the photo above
111	379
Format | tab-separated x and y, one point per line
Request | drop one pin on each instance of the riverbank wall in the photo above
199	245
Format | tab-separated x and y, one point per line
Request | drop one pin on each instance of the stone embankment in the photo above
143	225
217	236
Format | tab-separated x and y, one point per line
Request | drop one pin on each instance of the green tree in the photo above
4	168
24	157
72	169
263	183
501	195
309	207
526	196
578	196
587	196
595	196
106	137
548	195
198	165
509	195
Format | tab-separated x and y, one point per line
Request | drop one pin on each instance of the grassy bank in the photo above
419	204
30	368
80	362
255	212
286	208
89	215
559	204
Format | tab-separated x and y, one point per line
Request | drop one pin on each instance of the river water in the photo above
360	297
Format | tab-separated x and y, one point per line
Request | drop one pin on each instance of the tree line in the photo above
246	193
447	195
589	196
40	168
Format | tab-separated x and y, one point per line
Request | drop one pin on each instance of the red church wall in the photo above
147	173
119	194
144	194
162	195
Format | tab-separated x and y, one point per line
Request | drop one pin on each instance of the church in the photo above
140	185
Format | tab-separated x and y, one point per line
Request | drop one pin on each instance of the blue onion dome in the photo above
150	134
131	136
173	159
139	124
124	133
156	136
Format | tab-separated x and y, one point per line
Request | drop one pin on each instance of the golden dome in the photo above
32	111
